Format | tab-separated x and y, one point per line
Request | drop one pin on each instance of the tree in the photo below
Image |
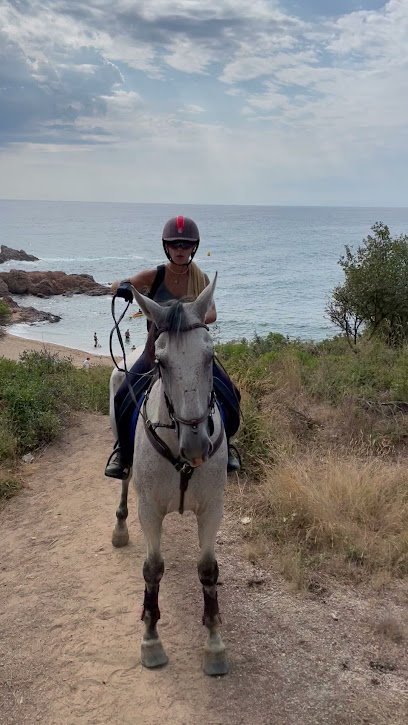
374	295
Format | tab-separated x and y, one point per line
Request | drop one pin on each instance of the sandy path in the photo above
70	629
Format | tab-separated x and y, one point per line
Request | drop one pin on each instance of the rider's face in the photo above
180	252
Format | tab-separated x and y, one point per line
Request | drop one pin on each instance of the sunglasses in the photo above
181	245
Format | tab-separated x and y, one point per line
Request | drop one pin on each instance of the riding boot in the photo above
234	459
115	467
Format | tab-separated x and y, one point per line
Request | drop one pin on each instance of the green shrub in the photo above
9	487
5	313
37	395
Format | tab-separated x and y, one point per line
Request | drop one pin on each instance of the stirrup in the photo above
234	459
115	468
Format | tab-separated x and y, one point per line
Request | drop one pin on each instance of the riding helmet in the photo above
181	229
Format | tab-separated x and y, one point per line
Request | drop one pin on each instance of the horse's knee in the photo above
208	571
153	570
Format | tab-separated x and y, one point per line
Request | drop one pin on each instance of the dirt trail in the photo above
70	630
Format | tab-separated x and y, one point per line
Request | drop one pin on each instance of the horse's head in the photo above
184	351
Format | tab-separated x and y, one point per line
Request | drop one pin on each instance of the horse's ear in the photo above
204	300
153	311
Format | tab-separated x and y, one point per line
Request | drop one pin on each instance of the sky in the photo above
205	101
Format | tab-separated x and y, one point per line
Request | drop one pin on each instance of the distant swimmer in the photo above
139	313
127	335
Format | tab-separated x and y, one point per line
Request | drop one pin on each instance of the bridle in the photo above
176	419
184	468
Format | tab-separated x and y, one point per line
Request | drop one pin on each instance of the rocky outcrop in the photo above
47	284
7	253
27	314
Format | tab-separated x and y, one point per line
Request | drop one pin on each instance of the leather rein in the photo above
182	466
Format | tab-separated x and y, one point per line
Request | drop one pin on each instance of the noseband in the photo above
182	466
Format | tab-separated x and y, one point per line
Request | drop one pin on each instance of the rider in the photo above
179	278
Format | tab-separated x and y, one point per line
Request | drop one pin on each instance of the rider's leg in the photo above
120	461
229	396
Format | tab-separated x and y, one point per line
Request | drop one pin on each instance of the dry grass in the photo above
9	486
333	514
391	629
325	448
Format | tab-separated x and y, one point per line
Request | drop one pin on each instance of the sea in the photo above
277	265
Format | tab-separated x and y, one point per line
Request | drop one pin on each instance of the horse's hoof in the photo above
215	661
120	537
153	654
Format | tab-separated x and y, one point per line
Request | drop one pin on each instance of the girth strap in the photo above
186	471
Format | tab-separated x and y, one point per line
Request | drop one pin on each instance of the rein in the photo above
183	467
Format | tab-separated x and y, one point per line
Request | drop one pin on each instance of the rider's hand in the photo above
125	290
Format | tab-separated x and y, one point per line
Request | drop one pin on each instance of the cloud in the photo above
312	95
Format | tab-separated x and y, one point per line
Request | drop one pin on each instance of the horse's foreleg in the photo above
120	534
215	661
152	651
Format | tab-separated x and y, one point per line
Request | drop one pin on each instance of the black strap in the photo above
161	271
184	468
159	278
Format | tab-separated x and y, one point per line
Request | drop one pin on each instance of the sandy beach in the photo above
11	347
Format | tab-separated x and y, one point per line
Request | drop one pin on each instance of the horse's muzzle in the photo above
196	462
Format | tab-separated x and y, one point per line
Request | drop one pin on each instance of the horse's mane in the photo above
176	318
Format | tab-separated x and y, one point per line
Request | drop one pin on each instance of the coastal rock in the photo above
28	314
7	253
3	289
46	284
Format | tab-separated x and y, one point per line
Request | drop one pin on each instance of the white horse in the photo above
180	462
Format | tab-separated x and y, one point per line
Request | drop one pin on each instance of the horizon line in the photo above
202	204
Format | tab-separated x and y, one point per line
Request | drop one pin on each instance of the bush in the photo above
4	315
37	396
9	487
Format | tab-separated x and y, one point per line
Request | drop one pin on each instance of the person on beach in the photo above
127	335
87	363
95	340
180	277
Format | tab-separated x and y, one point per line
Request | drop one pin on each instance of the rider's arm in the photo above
142	281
